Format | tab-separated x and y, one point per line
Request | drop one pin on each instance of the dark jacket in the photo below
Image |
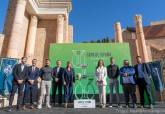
32	75
59	75
147	73
19	74
46	73
130	79
113	71
69	77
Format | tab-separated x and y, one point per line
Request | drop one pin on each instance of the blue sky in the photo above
94	19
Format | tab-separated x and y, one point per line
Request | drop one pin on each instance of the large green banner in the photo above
84	58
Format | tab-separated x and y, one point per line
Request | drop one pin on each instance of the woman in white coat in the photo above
101	75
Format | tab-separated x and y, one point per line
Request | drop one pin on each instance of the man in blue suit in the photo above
31	84
142	72
57	82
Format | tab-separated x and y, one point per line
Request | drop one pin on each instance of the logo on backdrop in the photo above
8	70
6	77
157	75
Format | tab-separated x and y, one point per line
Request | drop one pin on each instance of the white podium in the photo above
85	103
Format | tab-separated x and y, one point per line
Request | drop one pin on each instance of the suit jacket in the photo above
130	79
69	77
19	74
101	75
147	73
113	71
32	75
58	75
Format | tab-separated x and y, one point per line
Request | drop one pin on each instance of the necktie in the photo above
22	67
33	68
58	69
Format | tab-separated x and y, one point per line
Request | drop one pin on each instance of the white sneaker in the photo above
135	106
103	106
141	106
127	106
151	106
39	106
110	106
119	106
48	106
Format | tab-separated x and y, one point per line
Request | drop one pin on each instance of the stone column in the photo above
15	38
70	28
60	29
30	45
118	33
2	36
66	38
141	39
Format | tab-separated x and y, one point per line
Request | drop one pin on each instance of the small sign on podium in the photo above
84	103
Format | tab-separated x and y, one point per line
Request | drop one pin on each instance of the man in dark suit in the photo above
143	77
19	77
31	84
57	82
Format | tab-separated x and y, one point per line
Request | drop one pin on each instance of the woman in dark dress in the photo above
69	79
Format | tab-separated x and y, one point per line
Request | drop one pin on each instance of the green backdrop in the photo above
84	58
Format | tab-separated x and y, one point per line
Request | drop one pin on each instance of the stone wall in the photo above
127	37
46	34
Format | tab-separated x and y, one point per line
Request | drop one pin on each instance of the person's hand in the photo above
31	82
20	81
125	74
64	83
56	79
39	80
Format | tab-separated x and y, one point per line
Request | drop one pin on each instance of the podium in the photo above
84	93
84	103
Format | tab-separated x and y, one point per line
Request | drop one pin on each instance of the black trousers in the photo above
20	88
143	87
55	86
129	90
30	94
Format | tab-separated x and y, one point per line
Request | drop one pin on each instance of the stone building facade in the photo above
155	41
32	25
